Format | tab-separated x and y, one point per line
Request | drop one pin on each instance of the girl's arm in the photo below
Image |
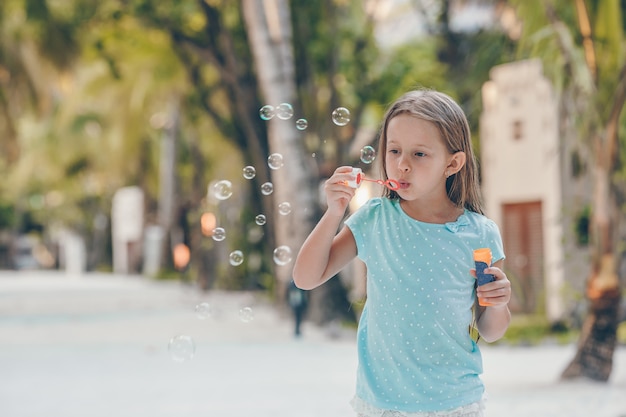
494	319
325	252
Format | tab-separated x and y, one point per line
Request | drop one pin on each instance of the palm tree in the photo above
588	38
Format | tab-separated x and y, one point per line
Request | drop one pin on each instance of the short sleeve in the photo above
494	241
360	222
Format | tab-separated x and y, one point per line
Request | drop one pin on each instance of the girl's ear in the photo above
457	161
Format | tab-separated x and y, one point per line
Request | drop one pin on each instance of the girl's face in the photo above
417	158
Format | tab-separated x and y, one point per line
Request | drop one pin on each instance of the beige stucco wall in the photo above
525	169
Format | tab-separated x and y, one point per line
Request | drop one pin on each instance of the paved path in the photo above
97	346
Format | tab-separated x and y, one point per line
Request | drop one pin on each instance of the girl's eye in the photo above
420	154
394	151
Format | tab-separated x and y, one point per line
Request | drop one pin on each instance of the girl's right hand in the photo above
338	193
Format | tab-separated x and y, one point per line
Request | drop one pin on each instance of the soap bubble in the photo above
341	116
246	315
284	208
284	111
267	112
203	310
368	154
223	189
302	124
235	258
181	348
219	234
260	219
282	255
249	172
275	161
267	188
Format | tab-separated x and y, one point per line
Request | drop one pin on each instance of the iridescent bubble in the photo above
267	188
341	116
181	348
223	190
275	161
267	112
282	255
284	208
260	219
235	258
203	311
246	314
284	111
249	172
302	124
219	234
368	154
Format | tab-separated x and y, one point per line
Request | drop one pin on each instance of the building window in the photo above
518	130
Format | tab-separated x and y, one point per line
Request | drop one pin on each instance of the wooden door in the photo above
522	235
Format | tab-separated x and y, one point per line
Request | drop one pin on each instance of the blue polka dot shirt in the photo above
415	352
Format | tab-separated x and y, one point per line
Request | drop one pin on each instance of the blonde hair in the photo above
463	187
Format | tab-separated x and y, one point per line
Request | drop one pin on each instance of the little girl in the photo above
416	355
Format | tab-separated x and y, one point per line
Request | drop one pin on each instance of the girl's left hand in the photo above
496	293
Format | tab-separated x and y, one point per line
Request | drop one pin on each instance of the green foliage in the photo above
108	78
54	29
470	57
581	226
534	330
540	40
609	32
7	215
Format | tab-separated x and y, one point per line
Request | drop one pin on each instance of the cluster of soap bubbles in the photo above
340	116
282	256
182	347
284	111
223	190
204	311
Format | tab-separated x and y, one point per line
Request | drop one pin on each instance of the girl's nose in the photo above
403	164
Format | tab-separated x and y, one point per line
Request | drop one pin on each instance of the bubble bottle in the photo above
482	260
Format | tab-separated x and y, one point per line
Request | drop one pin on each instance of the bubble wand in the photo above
359	177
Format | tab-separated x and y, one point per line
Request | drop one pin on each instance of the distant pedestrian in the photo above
298	302
416	354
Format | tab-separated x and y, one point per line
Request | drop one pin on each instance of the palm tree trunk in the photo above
269	31
594	358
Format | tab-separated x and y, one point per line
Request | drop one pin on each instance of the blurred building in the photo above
535	189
